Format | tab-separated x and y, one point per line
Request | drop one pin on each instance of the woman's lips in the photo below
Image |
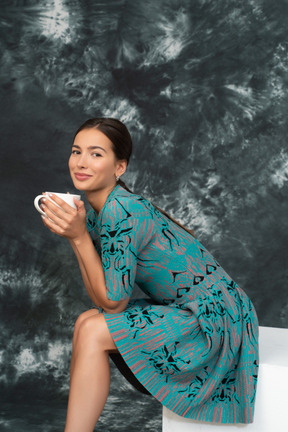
82	177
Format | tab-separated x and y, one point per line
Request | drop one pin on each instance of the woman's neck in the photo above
98	198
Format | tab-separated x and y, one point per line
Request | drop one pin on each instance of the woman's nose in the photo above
82	161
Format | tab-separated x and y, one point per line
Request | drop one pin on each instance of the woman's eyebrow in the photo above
90	148
96	147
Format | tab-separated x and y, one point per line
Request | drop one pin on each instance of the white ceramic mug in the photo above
68	198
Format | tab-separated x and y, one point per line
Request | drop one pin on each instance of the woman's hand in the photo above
64	220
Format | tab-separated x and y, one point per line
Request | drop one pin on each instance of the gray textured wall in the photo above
202	85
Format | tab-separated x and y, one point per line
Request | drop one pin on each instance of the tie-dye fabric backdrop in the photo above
202	85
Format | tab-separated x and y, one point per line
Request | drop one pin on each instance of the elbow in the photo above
113	307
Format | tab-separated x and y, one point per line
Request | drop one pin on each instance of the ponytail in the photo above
191	232
123	185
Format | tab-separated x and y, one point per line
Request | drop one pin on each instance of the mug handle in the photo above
36	200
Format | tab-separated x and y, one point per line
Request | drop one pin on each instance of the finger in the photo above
48	205
52	226
79	204
53	221
48	214
66	207
57	209
47	222
57	216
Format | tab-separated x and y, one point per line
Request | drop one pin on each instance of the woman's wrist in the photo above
83	238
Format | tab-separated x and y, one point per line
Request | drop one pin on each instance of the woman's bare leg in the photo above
90	372
77	326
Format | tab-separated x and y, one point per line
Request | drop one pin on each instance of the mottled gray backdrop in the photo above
202	85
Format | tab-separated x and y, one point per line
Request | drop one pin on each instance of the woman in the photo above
193	343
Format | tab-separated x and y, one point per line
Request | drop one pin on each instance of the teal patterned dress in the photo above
193	343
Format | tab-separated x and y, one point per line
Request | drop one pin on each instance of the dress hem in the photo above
210	413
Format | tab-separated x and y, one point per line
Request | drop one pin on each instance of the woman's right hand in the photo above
64	220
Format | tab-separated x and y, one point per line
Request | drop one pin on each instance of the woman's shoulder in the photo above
126	204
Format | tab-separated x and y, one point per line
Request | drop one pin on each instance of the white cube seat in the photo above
271	406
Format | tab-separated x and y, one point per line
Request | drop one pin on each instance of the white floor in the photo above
271	409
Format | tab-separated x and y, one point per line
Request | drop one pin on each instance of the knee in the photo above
88	331
83	317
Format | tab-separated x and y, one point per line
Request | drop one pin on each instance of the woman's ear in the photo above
121	167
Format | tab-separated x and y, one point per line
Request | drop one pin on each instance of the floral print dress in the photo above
193	343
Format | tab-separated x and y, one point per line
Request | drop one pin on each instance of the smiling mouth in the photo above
82	177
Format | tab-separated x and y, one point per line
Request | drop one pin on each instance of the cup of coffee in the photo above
68	198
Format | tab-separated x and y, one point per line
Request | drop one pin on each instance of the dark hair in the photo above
122	146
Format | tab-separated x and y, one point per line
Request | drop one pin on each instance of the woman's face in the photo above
92	164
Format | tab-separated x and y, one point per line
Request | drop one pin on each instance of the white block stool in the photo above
271	406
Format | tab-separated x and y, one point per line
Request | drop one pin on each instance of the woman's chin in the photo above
79	186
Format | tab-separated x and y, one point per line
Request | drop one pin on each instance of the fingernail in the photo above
50	194
43	217
43	199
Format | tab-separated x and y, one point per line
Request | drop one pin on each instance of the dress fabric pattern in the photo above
193	344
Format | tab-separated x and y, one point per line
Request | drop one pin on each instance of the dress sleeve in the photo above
125	230
93	231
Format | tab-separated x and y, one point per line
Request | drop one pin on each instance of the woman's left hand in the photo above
64	220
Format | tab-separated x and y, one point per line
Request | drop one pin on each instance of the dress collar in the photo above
110	197
96	219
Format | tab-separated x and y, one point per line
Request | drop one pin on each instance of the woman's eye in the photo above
75	152
96	154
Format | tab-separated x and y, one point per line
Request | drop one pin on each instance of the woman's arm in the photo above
83	270
70	223
93	275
